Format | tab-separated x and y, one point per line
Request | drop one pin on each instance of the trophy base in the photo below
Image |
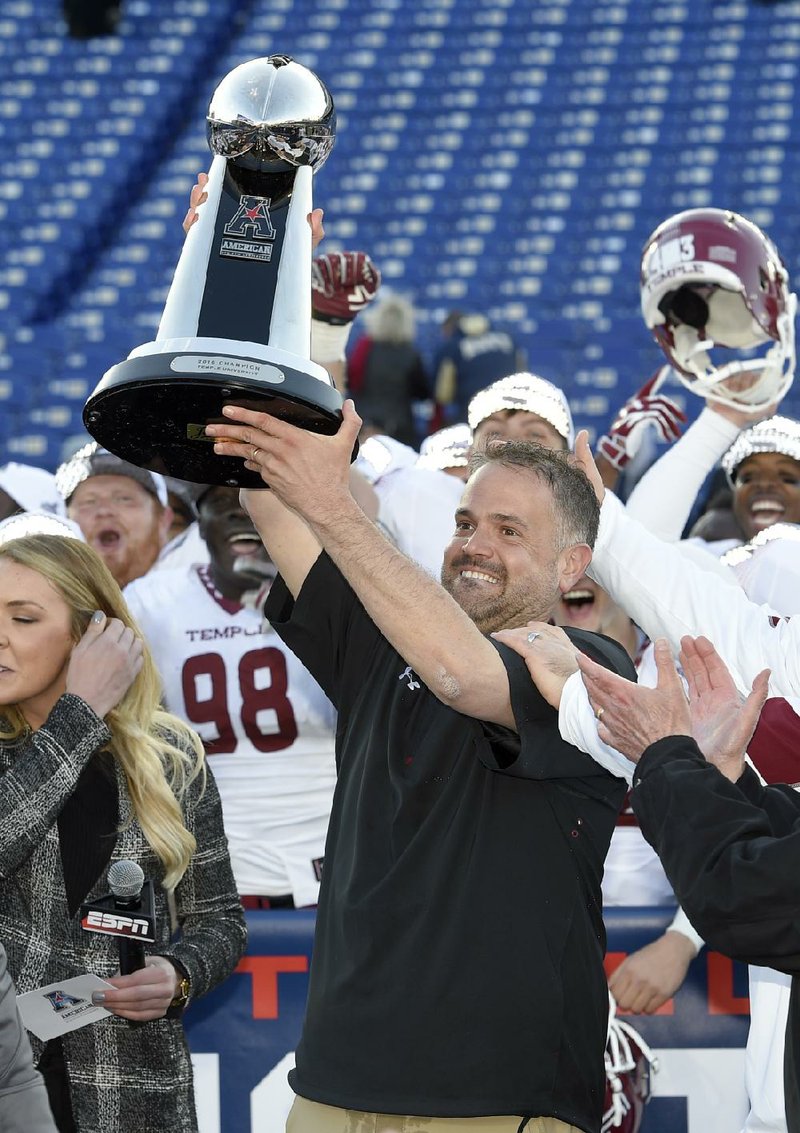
152	410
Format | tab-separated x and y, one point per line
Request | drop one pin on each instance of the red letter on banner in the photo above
264	970
721	1000
611	962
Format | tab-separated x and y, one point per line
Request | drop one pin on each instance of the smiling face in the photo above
239	561
501	565
35	642
585	606
516	425
122	521
766	490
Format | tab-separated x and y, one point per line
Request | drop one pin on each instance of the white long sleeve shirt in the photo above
669	596
662	499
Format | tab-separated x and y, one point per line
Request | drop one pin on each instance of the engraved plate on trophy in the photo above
236	327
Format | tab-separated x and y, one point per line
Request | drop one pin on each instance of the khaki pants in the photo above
311	1117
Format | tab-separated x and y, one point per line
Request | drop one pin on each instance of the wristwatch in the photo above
181	997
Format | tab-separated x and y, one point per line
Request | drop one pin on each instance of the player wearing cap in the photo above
122	510
473	355
447	450
23	487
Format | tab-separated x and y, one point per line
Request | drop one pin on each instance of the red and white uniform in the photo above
267	726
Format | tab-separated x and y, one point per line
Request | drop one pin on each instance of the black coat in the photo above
732	854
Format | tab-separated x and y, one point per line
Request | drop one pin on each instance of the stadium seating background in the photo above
507	156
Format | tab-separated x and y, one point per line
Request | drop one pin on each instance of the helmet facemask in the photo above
727	327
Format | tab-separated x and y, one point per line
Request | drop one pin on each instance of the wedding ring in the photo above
599	713
532	636
254	453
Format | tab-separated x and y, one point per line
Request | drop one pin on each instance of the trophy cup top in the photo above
272	114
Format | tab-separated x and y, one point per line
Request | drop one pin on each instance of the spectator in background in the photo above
267	727
89	18
122	510
386	372
23	487
473	356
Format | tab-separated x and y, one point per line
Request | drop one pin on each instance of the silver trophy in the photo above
236	327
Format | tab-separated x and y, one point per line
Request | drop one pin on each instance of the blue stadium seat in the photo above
505	157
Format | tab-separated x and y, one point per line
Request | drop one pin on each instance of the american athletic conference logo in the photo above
60	1000
251	222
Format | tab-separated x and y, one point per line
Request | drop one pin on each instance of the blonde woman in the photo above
93	771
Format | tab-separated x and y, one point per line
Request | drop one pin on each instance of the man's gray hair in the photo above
575	508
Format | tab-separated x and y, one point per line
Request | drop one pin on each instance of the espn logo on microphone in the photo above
115	923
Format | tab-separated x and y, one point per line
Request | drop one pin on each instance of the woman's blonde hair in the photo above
158	753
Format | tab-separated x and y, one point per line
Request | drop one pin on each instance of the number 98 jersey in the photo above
267	727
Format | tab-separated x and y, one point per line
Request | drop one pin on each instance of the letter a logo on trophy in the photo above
236	327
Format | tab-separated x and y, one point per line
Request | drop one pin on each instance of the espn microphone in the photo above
125	880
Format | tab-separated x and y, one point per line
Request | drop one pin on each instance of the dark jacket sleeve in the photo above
41	773
536	750
780	803
328	630
24	1107
736	875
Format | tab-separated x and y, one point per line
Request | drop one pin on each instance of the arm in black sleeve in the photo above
536	750
780	803
737	881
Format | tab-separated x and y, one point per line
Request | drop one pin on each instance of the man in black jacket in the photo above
458	953
730	846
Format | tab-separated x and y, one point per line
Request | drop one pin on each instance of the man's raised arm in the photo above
309	474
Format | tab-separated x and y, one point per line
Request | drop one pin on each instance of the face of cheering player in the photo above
766	490
516	425
239	561
501	565
36	641
122	521
587	606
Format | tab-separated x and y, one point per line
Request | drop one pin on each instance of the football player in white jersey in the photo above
267	726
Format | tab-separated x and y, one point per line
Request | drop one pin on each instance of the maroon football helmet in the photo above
629	1064
711	278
